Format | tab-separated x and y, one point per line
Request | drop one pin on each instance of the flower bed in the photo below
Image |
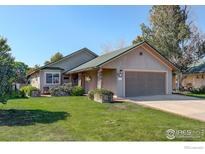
101	95
64	90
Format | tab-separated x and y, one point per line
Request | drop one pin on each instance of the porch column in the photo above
79	79
99	78
120	87
70	79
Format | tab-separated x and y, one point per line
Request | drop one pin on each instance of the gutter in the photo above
82	70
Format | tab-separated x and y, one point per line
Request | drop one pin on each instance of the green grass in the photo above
79	119
196	95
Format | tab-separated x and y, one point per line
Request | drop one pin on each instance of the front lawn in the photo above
196	95
79	119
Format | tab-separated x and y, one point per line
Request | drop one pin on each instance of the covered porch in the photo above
95	78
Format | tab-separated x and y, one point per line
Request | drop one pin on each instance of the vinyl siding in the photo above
134	61
35	80
73	61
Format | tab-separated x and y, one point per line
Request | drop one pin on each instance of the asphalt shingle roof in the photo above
198	68
49	66
95	63
103	59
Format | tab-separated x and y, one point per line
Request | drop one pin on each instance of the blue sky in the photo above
37	32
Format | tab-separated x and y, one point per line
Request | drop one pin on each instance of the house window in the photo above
55	78
49	78
52	78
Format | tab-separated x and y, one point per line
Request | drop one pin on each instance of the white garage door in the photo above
144	83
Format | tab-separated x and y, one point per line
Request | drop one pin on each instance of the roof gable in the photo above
55	65
101	60
70	56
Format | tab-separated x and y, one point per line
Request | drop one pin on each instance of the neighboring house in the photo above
136	70
194	76
53	74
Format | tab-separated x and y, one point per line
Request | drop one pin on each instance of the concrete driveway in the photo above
182	105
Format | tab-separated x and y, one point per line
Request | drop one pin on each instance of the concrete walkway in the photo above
182	105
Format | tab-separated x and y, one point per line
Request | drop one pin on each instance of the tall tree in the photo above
31	69
6	69
171	32
37	66
138	40
20	70
55	57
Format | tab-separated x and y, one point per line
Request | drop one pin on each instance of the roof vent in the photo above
141	53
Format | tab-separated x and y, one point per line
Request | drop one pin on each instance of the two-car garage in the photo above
144	83
138	70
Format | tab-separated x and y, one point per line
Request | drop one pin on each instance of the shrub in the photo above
27	90
103	92
91	94
77	91
63	90
101	95
200	90
16	94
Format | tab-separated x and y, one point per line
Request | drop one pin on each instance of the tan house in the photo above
195	76
136	70
53	74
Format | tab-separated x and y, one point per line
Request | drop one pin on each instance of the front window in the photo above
52	78
55	78
49	78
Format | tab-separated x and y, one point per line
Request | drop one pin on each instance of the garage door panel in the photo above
144	83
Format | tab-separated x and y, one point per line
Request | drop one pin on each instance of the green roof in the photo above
49	66
197	68
95	63
101	59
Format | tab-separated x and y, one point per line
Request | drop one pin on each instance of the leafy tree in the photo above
194	50
46	62
31	69
57	56
37	66
20	72
138	40
6	69
173	34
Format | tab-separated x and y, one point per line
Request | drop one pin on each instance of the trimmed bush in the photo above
27	90
101	95
77	91
91	94
63	90
103	92
200	90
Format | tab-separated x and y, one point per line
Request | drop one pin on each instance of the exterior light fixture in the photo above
120	75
